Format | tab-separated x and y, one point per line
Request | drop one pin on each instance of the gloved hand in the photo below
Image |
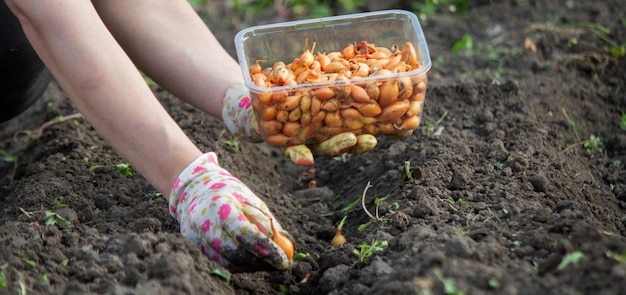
226	220
238	116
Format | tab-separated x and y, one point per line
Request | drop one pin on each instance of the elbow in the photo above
18	8
31	14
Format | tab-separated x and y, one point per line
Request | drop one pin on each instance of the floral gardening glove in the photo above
238	116
226	220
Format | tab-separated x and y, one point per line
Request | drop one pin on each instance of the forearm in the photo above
105	86
169	42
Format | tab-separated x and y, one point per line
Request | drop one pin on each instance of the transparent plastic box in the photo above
299	102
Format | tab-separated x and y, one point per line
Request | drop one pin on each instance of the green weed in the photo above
374	217
348	208
501	165
124	169
571	258
52	218
429	8
58	202
232	144
282	288
32	263
577	128
3	277
7	156
494	283
299	256
408	173
448	284
465	44
221	274
621	258
431	126
592	144
365	251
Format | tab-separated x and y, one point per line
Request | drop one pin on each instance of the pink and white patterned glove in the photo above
226	220
238	116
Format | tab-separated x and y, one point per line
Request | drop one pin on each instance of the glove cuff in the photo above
188	177
238	114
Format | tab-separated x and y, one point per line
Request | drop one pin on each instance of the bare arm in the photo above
169	42
106	87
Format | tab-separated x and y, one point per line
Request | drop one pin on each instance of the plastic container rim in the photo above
425	66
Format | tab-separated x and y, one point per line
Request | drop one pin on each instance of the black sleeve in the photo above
23	76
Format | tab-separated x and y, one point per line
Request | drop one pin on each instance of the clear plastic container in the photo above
295	108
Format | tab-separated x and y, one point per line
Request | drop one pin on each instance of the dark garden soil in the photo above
498	191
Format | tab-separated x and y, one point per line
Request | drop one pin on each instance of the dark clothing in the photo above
23	76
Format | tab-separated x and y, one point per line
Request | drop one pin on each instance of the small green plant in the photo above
373	217
465	44
622	122
571	258
448	284
348	208
221	274
621	258
232	144
154	195
618	51
124	169
32	263
431	126
22	289
52	218
577	128
7	156
408	173
283	289
343	158
58	202
299	256
365	251
608	233
494	283
592	144
3	277
376	217
500	165
42	277
615	49
429	8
